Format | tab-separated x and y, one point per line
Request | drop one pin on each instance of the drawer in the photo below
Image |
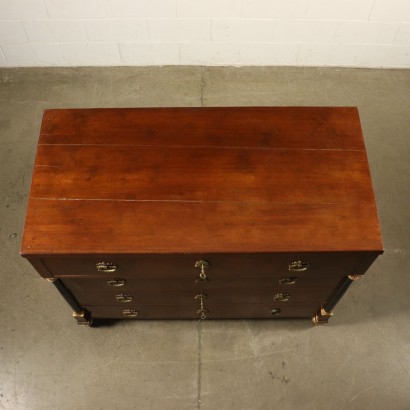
220	265
284	282
166	297
256	311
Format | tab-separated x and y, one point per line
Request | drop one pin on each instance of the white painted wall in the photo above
361	33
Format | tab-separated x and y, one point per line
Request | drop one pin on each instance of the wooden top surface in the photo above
201	180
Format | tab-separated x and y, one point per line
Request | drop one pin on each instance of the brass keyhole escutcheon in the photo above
202	265
203	310
275	311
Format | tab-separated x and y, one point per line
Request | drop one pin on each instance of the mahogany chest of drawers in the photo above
171	213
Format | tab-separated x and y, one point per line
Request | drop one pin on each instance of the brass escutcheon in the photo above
116	282
129	313
299	266
203	310
275	311
106	267
288	280
281	297
202	265
123	298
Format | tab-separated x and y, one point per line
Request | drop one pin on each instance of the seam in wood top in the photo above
208	147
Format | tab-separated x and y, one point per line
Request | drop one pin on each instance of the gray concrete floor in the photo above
360	360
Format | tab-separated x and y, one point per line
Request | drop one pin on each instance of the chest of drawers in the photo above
171	213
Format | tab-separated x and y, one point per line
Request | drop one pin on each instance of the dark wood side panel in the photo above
68	296
338	293
347	281
40	267
281	127
366	262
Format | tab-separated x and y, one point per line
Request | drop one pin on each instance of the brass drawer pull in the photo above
202	265
299	266
117	282
281	297
275	311
124	298
130	312
203	310
288	280
106	267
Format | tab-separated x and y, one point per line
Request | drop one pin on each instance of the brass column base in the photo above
83	318
322	317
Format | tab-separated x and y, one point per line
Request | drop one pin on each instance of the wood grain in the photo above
215	180
263	127
116	227
200	174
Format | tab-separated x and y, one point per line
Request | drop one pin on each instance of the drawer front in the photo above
256	311
220	265
283	283
166	297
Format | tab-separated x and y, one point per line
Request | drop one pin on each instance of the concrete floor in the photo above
361	360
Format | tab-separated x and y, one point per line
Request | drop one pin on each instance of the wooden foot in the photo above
83	318
321	317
